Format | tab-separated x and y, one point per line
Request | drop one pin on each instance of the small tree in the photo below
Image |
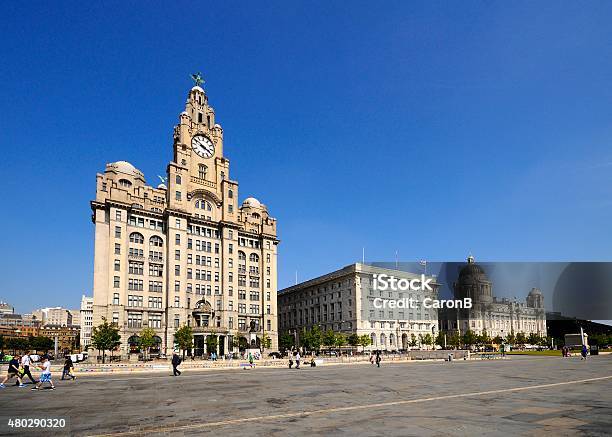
521	339
365	340
454	339
211	343
534	339
266	342
42	343
440	339
497	340
286	341
183	337
340	340
147	340
353	340
427	339
469	338
511	338
105	337
17	344
413	341
329	338
484	339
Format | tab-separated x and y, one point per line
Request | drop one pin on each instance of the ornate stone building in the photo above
496	316
343	301
184	252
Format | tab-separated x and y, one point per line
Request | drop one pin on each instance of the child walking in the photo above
45	376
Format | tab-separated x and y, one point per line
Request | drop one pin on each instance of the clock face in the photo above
203	146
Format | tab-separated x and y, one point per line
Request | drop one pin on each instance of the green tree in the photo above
427	339
497	340
329	338
183	337
440	339
211	343
105	337
353	340
266	342
147	340
521	339
469	338
340	340
42	343
533	339
453	339
17	344
365	340
484	339
413	340
286	341
511	338
312	339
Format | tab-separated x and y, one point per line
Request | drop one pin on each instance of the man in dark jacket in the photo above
175	363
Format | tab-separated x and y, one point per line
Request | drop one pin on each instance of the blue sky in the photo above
430	128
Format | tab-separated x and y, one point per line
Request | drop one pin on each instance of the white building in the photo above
343	301
86	321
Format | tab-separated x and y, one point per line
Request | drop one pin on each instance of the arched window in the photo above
203	204
391	339
156	241
125	183
230	194
255	215
373	338
254	257
136	238
241	255
383	340
178	179
202	171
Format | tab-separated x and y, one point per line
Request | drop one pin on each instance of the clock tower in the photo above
186	252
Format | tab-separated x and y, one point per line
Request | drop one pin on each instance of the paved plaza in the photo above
517	396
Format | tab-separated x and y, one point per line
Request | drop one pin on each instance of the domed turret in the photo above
124	168
535	298
473	283
251	202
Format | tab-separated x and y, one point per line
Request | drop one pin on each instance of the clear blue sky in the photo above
430	128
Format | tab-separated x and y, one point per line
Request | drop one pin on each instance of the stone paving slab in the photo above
520	396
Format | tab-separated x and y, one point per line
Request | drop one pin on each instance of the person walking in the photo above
290	360
26	361
251	359
175	363
584	352
45	376
378	358
68	370
13	371
297	359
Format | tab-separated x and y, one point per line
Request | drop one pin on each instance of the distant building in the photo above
57	316
5	308
497	316
76	317
17	325
343	301
68	337
86	321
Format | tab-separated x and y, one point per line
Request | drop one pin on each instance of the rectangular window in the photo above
177	255
177	239
116	319
117	265
177	301
117	249
177	320
230	322
269	325
230	248
177	270
155	320
116	299
116	282
117	231
178	223
178	195
118	216
177	285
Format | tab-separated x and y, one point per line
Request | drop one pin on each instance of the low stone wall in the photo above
187	364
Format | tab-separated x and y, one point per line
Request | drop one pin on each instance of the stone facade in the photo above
86	312
496	316
184	252
343	301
